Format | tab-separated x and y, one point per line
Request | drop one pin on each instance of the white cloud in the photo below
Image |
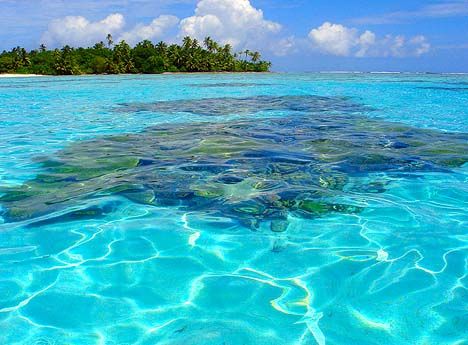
285	46
366	42
227	21
235	22
421	45
336	39
156	30
79	31
238	23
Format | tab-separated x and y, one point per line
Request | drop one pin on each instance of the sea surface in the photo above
234	209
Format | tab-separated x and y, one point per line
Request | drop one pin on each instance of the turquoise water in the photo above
234	209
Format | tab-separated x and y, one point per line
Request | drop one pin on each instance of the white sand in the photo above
20	75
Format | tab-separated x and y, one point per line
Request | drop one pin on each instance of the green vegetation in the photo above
145	57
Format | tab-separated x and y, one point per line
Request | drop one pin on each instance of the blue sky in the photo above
297	35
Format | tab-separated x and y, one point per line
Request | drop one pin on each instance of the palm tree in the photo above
65	63
255	56
175	55
20	57
147	44
187	42
195	44
227	49
161	47
122	58
207	42
110	40
99	45
210	45
42	48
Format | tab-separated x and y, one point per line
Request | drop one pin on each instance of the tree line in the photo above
145	57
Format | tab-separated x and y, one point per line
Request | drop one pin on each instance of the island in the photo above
144	58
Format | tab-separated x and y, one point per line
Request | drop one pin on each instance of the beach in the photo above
8	75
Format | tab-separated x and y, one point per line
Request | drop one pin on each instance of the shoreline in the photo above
19	75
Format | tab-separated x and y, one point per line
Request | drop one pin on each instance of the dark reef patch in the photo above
256	171
249	105
233	85
443	88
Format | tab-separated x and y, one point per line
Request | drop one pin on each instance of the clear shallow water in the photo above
390	267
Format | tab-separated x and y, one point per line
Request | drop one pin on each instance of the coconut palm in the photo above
255	56
110	40
161	48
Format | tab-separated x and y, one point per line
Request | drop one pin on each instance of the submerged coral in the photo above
252	171
208	85
248	105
